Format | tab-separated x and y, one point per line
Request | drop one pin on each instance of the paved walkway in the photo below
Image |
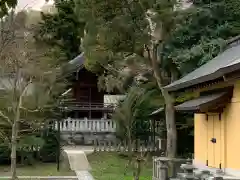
84	175
78	161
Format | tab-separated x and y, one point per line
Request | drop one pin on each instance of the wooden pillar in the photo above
90	101
154	132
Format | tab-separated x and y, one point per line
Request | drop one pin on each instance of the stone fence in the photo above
187	170
87	125
122	146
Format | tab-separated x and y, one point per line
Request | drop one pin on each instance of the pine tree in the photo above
62	30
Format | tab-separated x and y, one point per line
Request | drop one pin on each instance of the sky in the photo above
34	4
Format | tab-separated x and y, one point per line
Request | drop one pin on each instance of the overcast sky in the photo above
35	4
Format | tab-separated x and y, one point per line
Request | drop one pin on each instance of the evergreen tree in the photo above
126	36
5	5
62	30
201	33
156	36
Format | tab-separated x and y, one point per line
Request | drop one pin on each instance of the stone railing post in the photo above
86	123
164	170
95	144
160	168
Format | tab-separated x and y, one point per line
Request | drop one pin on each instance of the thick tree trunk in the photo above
169	105
171	133
171	126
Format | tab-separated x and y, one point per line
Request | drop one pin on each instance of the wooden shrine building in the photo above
217	110
87	110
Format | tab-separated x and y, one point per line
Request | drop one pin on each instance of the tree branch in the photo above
5	117
29	110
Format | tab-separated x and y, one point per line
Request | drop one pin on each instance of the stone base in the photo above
226	173
79	138
64	162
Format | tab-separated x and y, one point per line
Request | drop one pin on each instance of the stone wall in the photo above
78	138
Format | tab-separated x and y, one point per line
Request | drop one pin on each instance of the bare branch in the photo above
5	117
29	110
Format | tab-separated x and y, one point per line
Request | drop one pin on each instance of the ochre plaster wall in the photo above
226	130
232	130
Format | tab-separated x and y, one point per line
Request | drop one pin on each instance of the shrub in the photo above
48	153
4	153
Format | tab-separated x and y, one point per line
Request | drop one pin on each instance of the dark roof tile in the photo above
202	102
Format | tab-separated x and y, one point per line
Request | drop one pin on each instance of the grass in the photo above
111	166
105	166
39	169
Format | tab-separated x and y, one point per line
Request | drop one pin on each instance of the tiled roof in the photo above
77	61
202	102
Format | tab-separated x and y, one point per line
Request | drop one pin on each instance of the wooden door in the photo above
214	139
210	144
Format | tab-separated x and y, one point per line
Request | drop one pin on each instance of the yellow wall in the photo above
226	131
232	116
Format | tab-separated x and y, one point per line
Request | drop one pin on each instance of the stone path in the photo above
84	175
78	162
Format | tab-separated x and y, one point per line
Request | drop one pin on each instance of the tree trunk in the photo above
138	170
14	150
171	127
17	106
14	141
129	143
171	133
169	105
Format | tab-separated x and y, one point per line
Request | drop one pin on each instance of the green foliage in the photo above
28	79
41	146
5	5
200	34
48	152
27	146
116	32
29	142
4	153
62	30
132	115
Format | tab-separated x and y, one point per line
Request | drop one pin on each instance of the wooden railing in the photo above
87	125
76	105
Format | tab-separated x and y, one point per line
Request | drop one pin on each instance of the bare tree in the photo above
26	73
